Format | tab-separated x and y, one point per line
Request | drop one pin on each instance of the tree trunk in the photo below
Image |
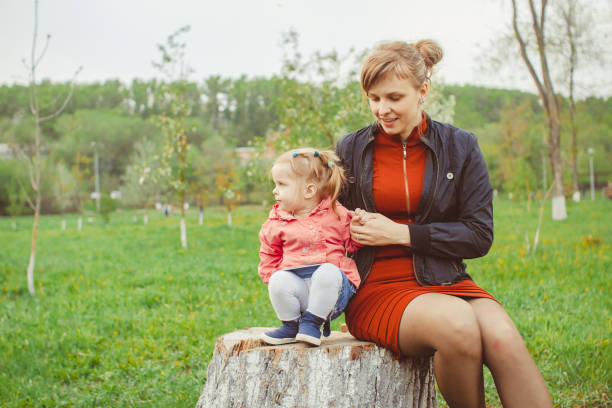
32	263
558	200
343	372
183	232
574	127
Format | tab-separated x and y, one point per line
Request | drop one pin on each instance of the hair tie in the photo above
295	154
330	164
316	153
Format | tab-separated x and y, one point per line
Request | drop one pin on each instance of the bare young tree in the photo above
33	158
172	90
548	97
569	15
576	47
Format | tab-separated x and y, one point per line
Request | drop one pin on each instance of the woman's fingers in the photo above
378	230
359	217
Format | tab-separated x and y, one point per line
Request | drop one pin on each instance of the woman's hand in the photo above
374	229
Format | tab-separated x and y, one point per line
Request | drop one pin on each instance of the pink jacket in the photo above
318	238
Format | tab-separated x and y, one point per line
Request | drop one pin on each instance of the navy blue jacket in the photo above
454	220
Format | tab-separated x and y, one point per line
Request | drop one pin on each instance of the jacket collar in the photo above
427	136
277	214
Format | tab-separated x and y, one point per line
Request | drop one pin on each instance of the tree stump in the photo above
343	372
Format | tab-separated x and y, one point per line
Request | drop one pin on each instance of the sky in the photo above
117	39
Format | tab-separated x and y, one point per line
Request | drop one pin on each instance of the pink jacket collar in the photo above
282	215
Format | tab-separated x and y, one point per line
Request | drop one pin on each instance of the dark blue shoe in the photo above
310	329
283	335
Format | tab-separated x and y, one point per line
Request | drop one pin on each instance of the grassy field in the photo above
124	317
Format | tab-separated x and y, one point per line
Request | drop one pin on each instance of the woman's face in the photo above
395	103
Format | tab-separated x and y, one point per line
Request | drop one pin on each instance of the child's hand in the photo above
360	217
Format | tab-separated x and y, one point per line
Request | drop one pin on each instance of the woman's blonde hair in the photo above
408	61
317	166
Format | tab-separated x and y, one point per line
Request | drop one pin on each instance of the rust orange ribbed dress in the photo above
375	312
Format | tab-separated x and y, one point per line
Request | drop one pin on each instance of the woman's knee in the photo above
504	340
440	323
460	335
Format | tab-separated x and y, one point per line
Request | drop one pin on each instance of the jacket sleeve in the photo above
471	234
350	245
270	251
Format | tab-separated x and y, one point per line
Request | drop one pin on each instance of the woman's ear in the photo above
424	90
310	190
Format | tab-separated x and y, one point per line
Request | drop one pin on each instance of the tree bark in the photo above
183	231
558	201
343	372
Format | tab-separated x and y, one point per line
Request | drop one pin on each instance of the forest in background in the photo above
226	115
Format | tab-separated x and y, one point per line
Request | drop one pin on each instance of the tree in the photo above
320	97
34	159
214	89
172	121
138	189
517	149
576	45
65	188
548	97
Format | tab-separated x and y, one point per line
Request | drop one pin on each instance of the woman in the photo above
423	203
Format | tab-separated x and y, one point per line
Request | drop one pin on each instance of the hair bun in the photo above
430	51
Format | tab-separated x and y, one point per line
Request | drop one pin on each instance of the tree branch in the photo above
539	31
542	13
44	51
28	161
59	111
525	56
33	95
25	194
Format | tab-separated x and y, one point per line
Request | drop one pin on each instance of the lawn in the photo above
124	317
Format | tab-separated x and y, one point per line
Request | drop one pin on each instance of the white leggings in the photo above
292	295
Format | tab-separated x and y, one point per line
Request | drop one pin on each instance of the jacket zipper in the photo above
406	187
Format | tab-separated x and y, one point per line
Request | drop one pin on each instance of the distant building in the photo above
245	153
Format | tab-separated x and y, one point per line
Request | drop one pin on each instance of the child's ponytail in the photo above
331	185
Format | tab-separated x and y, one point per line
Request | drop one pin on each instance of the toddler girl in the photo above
304	245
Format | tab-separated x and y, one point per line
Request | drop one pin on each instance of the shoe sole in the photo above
308	339
275	342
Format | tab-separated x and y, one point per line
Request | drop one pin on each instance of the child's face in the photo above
289	188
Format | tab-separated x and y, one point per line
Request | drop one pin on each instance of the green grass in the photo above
124	317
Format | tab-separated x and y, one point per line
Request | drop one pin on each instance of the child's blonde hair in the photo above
318	166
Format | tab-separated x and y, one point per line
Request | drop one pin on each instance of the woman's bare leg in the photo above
517	378
447	327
